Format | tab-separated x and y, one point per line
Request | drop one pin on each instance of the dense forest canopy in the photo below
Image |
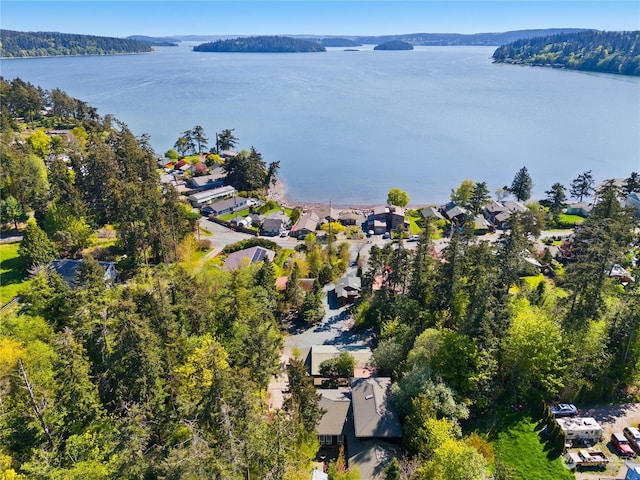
164	376
49	44
593	51
261	44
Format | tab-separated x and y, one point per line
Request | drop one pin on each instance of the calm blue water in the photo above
347	126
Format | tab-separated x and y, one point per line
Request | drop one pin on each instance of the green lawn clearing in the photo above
520	444
12	276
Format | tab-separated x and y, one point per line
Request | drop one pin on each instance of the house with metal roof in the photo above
207	196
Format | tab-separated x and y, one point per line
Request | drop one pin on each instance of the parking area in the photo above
612	418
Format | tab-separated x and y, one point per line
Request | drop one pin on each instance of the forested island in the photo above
261	44
339	42
593	51
394	45
50	44
165	373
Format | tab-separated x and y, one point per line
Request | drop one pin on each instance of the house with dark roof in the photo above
247	256
334	426
376	427
431	212
275	224
348	289
69	270
374	415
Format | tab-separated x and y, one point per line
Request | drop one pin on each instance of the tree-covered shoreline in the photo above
593	51
49	44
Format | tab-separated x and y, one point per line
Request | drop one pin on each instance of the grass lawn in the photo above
12	278
518	443
570	220
414	217
229	216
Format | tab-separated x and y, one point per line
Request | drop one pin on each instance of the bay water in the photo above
347	126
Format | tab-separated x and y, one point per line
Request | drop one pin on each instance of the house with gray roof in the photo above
431	212
275	224
248	255
348	289
374	415
373	442
334	426
206	182
229	205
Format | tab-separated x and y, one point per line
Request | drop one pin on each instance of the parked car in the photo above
414	238
622	444
386	235
633	435
564	410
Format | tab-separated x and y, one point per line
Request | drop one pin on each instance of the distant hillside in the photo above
593	51
48	44
156	41
339	42
262	44
394	45
454	39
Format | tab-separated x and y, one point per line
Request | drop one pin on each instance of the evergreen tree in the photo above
521	185
556	197
582	186
35	247
631	184
479	197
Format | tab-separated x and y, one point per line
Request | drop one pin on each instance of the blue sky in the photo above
121	18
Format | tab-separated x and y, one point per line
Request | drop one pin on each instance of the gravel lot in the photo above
611	418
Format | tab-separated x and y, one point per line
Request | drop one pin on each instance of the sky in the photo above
120	18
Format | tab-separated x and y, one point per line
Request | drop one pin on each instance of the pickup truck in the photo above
587	458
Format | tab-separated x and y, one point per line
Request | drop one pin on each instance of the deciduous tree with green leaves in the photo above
397	197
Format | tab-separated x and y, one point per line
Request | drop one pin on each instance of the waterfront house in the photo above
306	224
455	213
431	212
